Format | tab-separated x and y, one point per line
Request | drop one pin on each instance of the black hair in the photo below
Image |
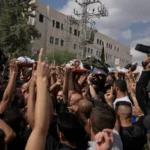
121	84
107	87
122	103
72	129
128	66
13	118
2	140
133	67
102	117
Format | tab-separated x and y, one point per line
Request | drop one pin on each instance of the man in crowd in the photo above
54	108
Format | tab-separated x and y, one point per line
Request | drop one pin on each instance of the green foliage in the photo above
60	56
15	32
97	63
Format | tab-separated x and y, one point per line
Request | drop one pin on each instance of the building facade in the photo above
57	33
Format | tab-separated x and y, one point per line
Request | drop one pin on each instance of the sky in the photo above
128	21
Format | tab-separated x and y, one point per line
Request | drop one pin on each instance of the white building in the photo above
58	34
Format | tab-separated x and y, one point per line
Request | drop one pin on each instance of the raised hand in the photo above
89	79
13	67
43	70
109	97
59	81
85	92
104	140
43	108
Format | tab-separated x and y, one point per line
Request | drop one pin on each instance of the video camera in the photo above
143	48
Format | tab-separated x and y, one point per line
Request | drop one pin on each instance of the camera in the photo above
143	48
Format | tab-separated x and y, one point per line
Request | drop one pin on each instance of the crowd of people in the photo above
52	107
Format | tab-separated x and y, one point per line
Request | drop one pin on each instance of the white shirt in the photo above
123	99
116	146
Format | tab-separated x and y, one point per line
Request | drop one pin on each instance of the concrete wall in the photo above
114	49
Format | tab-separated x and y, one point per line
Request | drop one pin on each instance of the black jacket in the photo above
141	91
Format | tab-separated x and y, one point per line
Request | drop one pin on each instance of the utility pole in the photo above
85	16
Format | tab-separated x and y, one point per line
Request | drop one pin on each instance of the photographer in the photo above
141	88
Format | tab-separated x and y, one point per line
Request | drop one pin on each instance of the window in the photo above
74	46
99	54
85	49
51	40
96	52
97	41
91	51
57	41
57	25
75	32
107	45
62	26
62	42
53	23
70	29
110	46
78	33
100	42
88	50
117	49
40	35
41	18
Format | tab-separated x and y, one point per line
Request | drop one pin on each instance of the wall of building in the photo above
58	34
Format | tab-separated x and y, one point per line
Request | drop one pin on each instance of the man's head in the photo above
120	86
71	130
124	110
102	117
60	96
75	98
85	107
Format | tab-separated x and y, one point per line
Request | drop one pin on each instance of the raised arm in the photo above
10	87
9	133
65	86
31	102
43	108
71	88
92	90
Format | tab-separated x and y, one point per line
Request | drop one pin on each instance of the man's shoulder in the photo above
117	141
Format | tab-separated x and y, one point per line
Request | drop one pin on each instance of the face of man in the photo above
75	98
77	63
60	96
109	78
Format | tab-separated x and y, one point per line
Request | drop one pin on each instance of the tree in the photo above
1	4
15	31
60	56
